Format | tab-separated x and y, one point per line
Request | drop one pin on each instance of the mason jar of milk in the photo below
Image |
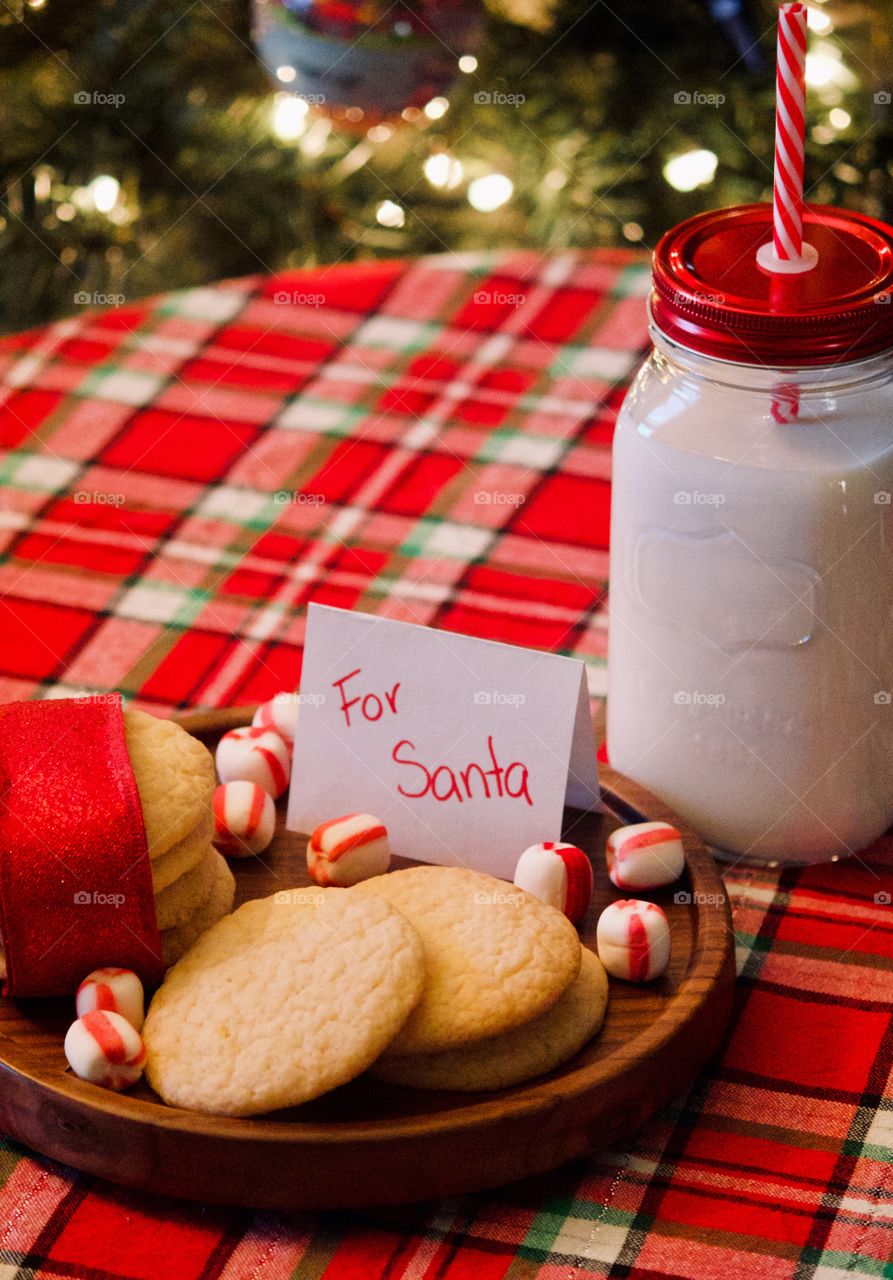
750	665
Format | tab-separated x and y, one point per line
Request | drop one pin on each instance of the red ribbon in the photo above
75	878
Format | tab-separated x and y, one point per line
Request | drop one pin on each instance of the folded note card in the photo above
467	750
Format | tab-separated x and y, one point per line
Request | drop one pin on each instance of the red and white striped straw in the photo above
790	126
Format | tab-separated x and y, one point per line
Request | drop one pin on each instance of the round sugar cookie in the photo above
264	1014
184	855
219	903
499	1062
175	904
174	776
495	956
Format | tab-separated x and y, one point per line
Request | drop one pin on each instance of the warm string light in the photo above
691	169
827	75
290	121
102	195
289	117
443	170
825	69
104	191
818	21
389	214
490	192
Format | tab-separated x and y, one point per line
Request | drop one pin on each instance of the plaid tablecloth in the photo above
427	441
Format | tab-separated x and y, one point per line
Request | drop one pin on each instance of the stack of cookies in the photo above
510	993
431	977
175	778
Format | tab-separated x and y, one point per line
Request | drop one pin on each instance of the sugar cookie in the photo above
513	1056
495	957
176	942
175	904
174	775
184	855
281	1002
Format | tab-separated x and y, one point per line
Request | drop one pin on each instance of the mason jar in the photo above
750	666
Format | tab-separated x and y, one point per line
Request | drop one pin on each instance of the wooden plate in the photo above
372	1144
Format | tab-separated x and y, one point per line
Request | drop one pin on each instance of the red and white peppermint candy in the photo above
347	850
633	940
280	713
254	754
244	819
103	1048
645	855
559	874
115	991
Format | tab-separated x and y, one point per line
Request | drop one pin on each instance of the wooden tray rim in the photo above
709	964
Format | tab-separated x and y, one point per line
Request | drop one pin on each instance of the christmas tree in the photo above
147	146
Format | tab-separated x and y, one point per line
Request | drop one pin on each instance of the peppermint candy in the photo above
559	874
114	991
104	1049
646	855
254	754
280	713
633	940
244	819
347	850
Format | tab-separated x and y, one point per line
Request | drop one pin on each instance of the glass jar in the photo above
750	673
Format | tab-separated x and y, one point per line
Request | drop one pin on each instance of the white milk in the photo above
751	602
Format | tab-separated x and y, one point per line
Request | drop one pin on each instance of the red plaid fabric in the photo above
428	441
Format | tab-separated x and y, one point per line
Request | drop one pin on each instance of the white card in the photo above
465	749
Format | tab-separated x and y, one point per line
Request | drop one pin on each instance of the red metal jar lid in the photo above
710	295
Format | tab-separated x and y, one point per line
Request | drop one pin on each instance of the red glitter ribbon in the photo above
75	878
